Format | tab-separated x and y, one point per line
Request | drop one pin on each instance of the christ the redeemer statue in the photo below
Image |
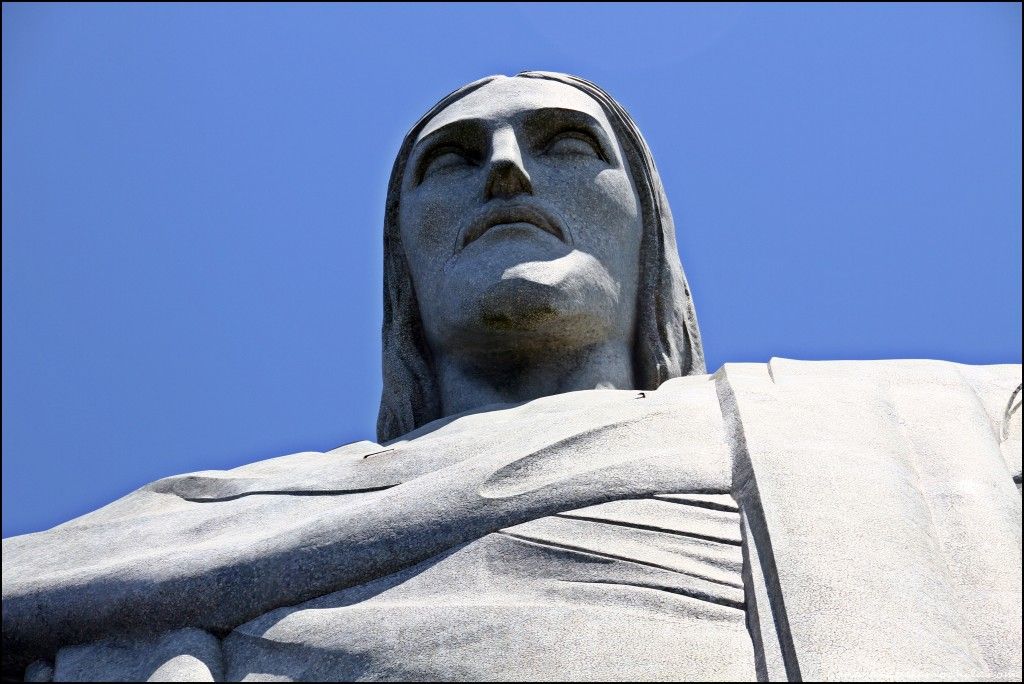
558	489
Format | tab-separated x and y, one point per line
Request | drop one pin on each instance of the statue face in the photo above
520	222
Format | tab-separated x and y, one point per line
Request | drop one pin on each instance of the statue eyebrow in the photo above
549	115
467	133
548	121
458	129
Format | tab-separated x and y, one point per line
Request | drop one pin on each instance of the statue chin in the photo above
519	305
535	307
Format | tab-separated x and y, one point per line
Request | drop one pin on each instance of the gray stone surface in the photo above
563	597
184	655
889	514
527	512
39	671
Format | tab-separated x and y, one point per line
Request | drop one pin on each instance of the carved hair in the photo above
667	342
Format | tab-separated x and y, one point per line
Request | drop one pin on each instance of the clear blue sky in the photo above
193	199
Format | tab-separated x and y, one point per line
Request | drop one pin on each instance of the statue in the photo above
559	490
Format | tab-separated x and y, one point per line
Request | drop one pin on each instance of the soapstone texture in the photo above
911	447
184	655
558	490
39	671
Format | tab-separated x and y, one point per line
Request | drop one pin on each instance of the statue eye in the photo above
573	143
445	159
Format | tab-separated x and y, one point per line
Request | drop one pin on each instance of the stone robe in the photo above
790	520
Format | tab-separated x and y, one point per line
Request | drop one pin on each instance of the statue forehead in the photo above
506	97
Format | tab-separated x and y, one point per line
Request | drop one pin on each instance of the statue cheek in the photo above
617	194
429	228
605	215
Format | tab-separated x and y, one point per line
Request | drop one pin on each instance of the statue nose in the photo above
506	174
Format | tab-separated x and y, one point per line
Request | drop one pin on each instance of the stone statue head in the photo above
527	242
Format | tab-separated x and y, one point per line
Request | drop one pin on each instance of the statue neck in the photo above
468	384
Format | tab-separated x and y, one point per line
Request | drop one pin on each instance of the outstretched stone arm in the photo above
215	550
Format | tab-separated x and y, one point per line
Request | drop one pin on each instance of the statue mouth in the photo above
508	215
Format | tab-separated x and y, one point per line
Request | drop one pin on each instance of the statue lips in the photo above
510	214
